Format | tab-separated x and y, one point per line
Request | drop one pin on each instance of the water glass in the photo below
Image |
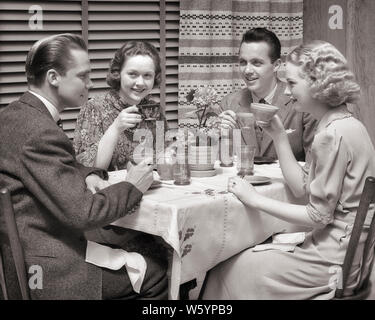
226	149
245	160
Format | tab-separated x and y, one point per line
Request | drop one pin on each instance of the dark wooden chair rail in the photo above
364	286
6	209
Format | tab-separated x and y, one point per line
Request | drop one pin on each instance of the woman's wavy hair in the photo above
130	49
327	72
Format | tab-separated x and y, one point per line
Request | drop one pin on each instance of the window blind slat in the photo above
45	5
124	35
49	16
124	25
128	6
124	16
26	35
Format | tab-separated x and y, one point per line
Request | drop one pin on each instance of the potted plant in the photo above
203	151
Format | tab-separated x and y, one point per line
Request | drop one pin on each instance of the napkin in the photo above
283	242
114	259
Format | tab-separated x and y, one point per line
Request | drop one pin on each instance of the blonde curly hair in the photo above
327	72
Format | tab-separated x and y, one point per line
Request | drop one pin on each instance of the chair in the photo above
185	289
364	287
6	210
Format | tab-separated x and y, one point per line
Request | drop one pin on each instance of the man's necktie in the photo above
259	129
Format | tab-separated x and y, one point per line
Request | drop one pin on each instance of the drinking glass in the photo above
245	160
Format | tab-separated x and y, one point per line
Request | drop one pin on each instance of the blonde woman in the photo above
342	156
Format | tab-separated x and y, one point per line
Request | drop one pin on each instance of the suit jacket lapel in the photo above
279	99
246	99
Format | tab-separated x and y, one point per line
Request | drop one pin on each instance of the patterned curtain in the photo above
210	35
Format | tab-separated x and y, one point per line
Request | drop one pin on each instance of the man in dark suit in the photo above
259	60
51	190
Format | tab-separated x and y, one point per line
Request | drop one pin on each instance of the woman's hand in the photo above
243	190
128	118
273	128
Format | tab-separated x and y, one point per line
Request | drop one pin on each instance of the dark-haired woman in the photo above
105	131
106	136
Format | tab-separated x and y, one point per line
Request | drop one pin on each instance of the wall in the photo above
356	40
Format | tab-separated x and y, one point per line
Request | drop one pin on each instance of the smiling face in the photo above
299	88
256	67
137	78
74	85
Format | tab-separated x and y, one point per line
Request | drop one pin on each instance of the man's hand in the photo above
140	175
95	183
228	119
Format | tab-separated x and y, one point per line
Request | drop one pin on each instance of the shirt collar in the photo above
50	107
336	113
268	98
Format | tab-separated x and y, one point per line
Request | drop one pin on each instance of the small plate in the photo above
156	184
255	180
263	160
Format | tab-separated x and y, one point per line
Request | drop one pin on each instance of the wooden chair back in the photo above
6	210
364	286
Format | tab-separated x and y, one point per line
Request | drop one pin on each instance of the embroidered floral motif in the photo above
210	192
189	233
186	235
186	250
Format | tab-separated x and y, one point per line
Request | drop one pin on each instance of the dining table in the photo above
203	223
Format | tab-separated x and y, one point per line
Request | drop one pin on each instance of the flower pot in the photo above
202	158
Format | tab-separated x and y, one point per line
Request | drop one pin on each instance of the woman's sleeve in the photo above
329	162
88	132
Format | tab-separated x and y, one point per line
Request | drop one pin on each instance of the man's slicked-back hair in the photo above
51	53
264	35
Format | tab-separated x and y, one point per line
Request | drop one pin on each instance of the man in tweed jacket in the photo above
53	205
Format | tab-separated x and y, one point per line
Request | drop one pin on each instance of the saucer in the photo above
256	180
263	160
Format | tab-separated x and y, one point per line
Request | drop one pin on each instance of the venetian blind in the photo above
105	24
21	24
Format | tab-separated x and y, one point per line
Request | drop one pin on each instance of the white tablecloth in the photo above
205	224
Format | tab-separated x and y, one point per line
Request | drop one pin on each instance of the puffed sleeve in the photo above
88	132
329	162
